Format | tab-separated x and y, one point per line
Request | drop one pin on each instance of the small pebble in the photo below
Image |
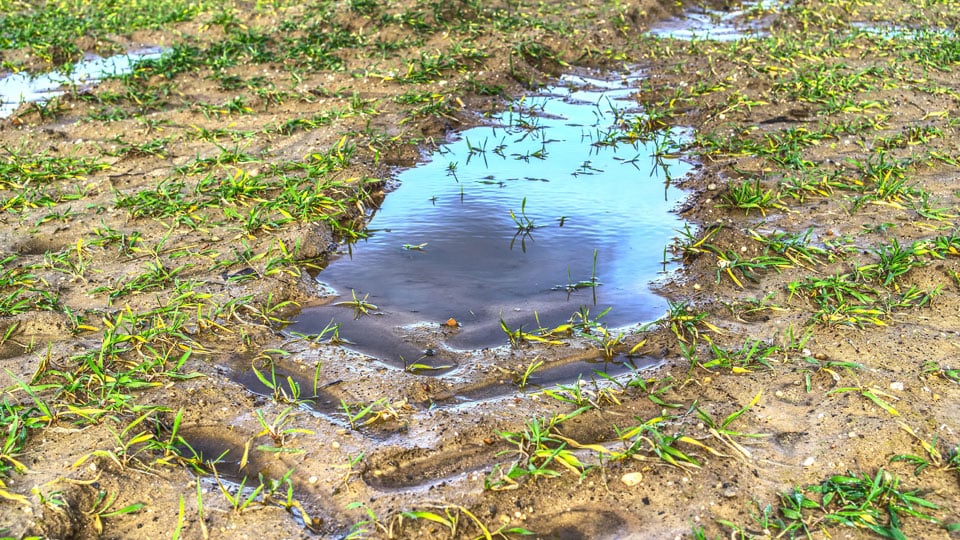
898	386
632	479
313	479
809	461
711	186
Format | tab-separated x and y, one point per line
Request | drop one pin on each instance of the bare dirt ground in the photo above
157	230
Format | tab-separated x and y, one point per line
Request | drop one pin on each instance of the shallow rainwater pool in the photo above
531	219
23	87
744	20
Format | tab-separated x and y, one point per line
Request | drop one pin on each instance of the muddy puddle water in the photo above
536	217
22	87
734	21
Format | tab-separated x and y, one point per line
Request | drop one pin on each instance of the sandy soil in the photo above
433	442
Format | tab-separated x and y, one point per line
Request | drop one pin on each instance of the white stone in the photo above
632	479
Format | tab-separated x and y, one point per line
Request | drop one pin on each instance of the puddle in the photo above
584	373
444	244
892	31
322	398
18	88
219	452
751	20
287	386
213	447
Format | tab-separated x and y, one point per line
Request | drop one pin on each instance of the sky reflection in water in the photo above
474	264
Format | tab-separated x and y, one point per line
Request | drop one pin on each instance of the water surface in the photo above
18	88
444	244
745	20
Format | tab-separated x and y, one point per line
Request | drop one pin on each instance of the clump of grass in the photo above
797	247
686	323
893	262
591	283
537	450
452	517
517	337
884	179
942	371
16	421
652	438
360	306
381	410
722	432
49	30
752	196
752	354
878	397
948	460
534	365
524	223
843	299
102	508
876	503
